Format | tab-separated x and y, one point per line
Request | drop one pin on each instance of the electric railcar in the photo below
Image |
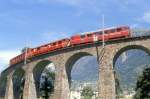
90	37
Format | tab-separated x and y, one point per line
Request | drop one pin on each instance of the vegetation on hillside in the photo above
143	85
87	93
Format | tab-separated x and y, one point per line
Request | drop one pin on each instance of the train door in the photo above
59	44
95	37
99	35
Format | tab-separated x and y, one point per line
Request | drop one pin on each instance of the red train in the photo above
90	37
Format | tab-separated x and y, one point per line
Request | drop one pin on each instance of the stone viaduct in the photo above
64	60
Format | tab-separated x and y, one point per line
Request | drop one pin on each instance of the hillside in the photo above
86	69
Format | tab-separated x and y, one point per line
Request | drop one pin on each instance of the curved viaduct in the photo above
64	60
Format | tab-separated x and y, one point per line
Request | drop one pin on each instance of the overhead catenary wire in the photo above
103	42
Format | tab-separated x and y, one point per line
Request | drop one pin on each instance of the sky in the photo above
35	22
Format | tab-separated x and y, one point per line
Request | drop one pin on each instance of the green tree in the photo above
87	92
47	86
51	75
143	85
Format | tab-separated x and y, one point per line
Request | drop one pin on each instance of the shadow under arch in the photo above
129	47
3	84
71	61
37	72
18	83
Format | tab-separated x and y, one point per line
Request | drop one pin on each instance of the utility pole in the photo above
25	58
103	46
103	41
103	32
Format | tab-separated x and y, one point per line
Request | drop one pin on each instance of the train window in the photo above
89	35
63	40
82	36
106	31
39	48
119	29
59	42
113	30
45	46
100	32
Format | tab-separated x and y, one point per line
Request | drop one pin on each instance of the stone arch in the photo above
129	47
71	61
18	81
122	50
37	72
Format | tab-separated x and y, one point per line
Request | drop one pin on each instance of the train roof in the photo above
50	43
101	30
